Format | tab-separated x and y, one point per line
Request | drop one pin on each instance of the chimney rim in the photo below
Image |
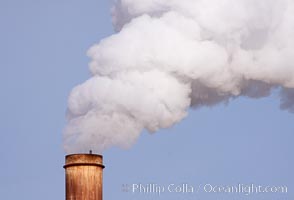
77	154
83	162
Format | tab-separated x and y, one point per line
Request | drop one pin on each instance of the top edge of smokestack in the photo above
83	159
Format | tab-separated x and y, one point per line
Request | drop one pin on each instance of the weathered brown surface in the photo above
83	173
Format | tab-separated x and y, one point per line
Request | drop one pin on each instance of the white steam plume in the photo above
169	55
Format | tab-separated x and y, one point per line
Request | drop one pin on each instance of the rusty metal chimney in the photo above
83	176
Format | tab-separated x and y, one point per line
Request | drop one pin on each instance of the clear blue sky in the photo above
43	55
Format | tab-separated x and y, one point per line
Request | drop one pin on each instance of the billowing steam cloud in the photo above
169	55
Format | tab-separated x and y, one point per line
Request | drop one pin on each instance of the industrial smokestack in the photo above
83	176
